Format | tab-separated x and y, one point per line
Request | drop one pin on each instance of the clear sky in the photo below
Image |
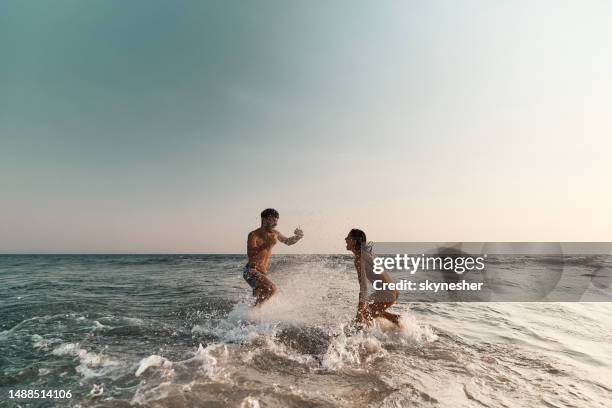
161	126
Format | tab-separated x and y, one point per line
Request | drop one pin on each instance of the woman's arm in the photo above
362	304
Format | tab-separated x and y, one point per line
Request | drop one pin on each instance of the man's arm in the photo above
290	241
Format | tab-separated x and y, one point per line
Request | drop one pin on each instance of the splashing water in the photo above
179	331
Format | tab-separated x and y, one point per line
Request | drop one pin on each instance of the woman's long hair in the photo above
359	236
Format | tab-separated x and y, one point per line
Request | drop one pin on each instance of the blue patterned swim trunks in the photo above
251	275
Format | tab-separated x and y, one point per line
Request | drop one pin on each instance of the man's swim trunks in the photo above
251	275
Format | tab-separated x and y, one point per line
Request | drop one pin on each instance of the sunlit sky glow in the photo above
157	126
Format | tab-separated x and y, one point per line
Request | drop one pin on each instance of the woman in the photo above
378	303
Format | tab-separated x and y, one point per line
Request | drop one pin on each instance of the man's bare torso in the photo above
259	248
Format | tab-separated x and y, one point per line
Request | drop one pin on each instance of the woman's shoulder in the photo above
368	257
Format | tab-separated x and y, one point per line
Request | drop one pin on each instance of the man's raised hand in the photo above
298	233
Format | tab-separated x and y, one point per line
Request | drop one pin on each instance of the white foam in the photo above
209	364
249	402
187	387
98	326
133	320
351	350
91	364
97	390
43	371
410	331
144	396
41	343
204	359
91	359
153	361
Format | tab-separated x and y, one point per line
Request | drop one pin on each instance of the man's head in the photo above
269	218
355	239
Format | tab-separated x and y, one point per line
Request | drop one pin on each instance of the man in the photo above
259	248
378	303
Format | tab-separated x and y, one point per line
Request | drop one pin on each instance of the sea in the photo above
179	331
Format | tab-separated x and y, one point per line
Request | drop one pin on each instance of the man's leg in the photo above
264	289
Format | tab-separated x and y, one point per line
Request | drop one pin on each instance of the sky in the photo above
156	126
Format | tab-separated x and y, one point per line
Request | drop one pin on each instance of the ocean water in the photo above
177	330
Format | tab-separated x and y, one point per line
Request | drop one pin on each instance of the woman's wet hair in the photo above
359	236
269	212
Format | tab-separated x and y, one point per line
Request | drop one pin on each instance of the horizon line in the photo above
158	253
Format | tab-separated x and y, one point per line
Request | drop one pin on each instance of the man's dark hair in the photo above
358	235
269	212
